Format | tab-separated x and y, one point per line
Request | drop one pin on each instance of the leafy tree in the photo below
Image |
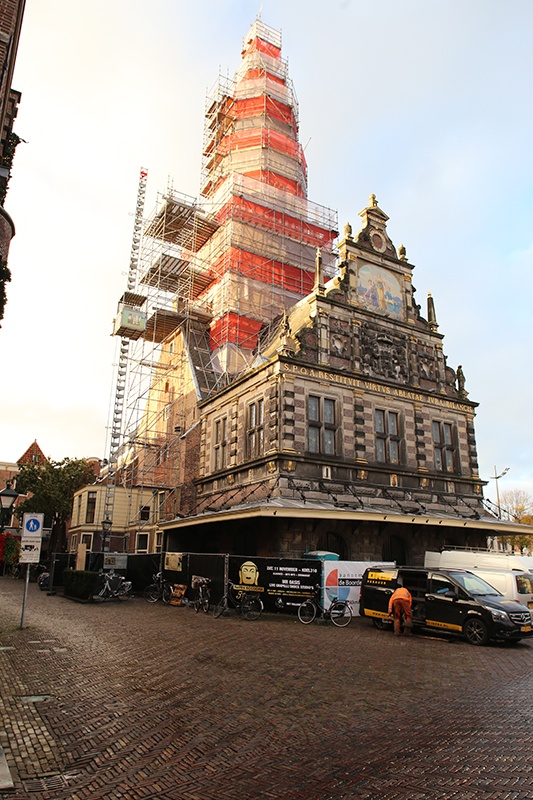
51	486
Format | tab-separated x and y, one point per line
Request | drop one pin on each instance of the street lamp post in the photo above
496	478
7	500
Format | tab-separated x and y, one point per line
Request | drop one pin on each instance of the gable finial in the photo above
432	316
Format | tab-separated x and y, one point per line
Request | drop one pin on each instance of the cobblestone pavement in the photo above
132	700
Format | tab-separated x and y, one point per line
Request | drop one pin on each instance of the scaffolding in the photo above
129	325
215	272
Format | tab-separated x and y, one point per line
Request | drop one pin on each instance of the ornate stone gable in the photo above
373	235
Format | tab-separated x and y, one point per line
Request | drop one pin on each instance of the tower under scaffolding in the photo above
213	274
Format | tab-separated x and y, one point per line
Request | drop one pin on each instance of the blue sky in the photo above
426	103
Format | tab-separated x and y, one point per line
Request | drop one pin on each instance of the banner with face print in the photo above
281	583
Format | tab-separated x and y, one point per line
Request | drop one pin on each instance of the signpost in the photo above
30	549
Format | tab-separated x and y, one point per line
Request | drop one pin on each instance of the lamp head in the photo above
8	497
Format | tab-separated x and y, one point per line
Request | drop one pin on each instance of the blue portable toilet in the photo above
322	555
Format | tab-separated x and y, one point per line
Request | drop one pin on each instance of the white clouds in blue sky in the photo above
425	103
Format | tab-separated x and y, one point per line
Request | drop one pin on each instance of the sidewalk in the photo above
133	700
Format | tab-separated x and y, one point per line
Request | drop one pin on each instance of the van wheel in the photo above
381	624
475	631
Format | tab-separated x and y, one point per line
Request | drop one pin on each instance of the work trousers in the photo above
402	607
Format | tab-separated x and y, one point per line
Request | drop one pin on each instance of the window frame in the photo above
255	428
322	425
390	440
445	448
90	508
220	443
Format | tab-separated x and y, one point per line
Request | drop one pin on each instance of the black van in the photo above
452	600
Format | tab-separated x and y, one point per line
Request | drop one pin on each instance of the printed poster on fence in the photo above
342	579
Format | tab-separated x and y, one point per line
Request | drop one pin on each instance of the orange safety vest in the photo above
401	593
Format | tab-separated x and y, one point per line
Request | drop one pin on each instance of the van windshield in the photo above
473	584
524	583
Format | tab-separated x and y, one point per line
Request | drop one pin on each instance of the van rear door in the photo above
376	589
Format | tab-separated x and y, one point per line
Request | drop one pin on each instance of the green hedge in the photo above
79	584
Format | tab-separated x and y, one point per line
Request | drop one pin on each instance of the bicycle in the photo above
339	612
15	571
114	585
202	594
160	589
245	602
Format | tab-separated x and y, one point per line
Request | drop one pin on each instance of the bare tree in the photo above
518	503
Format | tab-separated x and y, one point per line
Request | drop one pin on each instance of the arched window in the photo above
395	550
333	543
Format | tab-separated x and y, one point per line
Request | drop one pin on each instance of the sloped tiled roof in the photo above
32	455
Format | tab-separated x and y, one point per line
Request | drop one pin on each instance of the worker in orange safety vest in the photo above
400	604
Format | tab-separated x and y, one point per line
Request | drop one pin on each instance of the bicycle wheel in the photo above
205	603
340	613
151	593
198	601
252	607
221	607
166	593
125	591
307	612
101	595
234	596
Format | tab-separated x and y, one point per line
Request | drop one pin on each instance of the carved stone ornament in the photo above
339	344
384	355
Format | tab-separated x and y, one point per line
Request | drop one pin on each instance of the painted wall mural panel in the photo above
379	290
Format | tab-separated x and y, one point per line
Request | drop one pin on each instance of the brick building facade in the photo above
351	433
297	399
11	14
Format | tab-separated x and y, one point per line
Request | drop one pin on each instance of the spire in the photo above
318	288
432	317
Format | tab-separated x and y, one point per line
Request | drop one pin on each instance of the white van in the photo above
512	584
491	559
505	572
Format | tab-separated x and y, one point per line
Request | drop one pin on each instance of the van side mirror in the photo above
450	593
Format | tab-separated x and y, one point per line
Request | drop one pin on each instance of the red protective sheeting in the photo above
233	328
210	188
278	181
265	270
255	106
254	74
263	47
265	138
279	222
